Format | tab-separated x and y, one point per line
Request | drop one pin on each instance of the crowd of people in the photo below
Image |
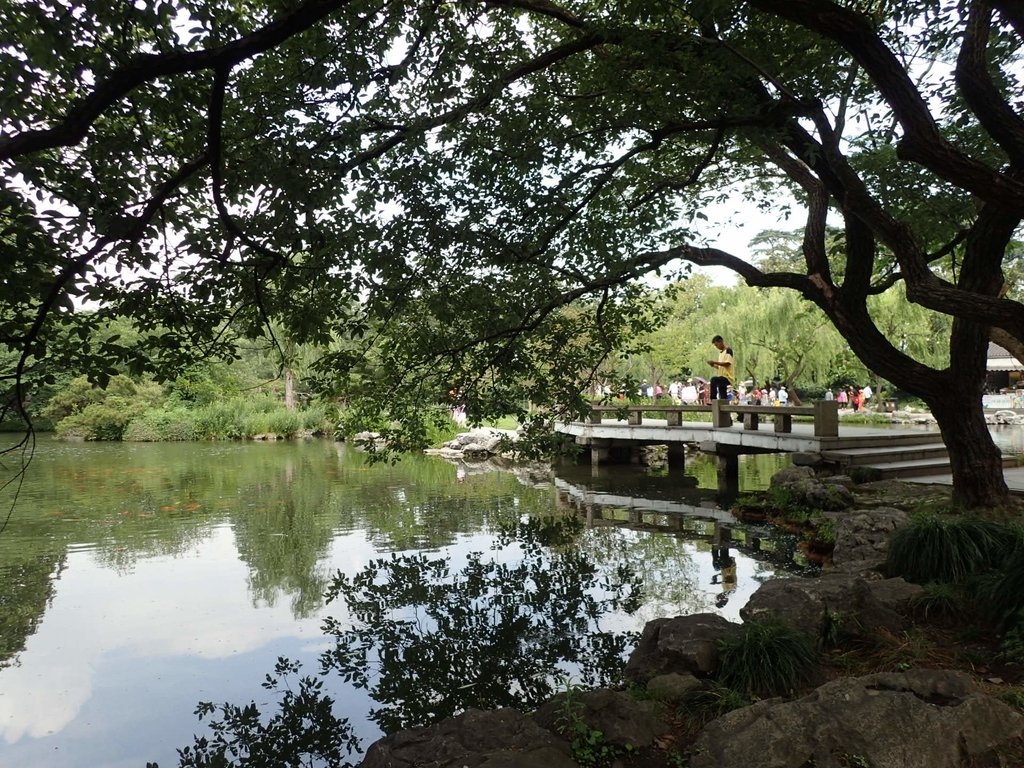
852	397
723	385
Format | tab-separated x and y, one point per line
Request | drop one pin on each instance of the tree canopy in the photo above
429	185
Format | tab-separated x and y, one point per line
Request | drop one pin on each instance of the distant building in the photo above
1004	370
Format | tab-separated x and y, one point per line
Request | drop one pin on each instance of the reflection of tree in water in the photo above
25	592
428	643
414	504
755	472
664	564
284	540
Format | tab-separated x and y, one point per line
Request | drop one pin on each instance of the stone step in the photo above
849	441
914	468
924	467
870	456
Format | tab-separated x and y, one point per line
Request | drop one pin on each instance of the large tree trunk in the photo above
953	395
975	459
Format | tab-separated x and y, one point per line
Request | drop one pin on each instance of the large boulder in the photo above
802	486
482	441
684	644
621	719
503	738
917	719
862	537
850	603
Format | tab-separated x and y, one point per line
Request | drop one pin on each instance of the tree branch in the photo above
922	142
146	67
1013	12
995	115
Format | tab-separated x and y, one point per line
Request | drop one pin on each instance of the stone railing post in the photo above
826	418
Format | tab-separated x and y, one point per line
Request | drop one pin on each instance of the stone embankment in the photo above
919	718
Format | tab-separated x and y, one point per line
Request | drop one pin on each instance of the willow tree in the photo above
431	183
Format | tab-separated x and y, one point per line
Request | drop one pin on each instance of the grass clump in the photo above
713	700
766	657
1002	592
942	549
588	745
939	601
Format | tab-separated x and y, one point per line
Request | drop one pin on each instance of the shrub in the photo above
941	549
1014	697
235	418
281	422
156	425
1012	646
441	429
865	474
99	421
319	419
766	657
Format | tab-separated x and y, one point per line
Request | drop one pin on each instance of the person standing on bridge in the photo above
725	367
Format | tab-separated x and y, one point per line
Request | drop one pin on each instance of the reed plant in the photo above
766	657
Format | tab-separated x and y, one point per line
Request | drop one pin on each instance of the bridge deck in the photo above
802	437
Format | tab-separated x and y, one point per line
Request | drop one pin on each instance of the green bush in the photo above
766	657
1012	646
88	413
943	549
235	418
712	700
239	418
224	420
865	474
319	419
442	429
98	421
155	425
282	422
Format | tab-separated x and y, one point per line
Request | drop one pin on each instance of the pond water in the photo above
137	580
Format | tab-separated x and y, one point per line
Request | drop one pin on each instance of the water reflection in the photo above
502	631
136	580
702	560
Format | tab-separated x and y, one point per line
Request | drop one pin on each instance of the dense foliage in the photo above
428	187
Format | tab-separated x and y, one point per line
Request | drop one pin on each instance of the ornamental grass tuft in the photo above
949	550
1001	594
766	657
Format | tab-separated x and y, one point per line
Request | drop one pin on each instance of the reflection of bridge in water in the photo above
694	514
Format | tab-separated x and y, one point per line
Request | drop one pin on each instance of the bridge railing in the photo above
825	414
